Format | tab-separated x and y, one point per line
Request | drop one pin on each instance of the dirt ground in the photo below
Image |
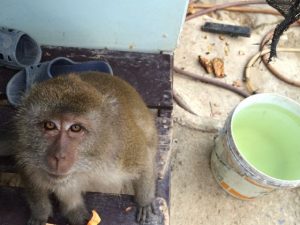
195	196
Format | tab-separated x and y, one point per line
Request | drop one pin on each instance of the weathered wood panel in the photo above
113	209
149	73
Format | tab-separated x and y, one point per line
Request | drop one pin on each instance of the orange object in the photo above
95	220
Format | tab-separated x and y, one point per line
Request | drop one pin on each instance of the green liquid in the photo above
268	137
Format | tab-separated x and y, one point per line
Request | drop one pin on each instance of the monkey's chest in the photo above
107	181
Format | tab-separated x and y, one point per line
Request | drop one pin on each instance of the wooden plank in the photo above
7	136
164	124
149	73
5	75
163	186
113	209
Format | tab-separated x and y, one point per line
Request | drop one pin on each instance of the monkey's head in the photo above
58	122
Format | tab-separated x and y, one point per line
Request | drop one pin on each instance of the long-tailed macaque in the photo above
81	130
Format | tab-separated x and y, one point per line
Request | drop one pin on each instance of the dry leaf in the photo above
191	10
95	220
205	63
218	67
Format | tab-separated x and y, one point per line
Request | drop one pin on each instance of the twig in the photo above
211	110
237	9
180	101
222	6
213	82
252	61
276	73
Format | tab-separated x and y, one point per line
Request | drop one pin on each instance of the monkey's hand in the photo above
36	221
39	204
78	216
147	214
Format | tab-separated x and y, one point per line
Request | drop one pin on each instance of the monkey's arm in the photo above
144	195
39	204
73	206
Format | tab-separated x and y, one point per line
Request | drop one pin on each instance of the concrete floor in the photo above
195	196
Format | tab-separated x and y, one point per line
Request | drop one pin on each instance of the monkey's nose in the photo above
54	162
58	163
60	156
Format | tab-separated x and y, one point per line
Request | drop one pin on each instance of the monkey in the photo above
80	130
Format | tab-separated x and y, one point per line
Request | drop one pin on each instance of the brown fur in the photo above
118	145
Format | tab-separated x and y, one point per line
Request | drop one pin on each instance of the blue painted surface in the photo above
137	25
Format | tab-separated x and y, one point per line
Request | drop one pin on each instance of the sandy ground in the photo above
195	196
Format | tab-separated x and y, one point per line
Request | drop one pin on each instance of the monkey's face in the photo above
62	141
63	136
59	145
61	124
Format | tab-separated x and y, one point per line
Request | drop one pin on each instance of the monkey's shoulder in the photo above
113	86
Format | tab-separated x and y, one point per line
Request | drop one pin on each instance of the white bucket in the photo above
258	150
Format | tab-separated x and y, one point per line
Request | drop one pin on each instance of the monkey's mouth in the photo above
57	176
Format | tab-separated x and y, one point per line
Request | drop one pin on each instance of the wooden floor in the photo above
151	75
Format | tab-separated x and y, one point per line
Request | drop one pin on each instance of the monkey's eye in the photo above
76	128
48	125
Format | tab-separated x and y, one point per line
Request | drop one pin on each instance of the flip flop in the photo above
22	81
17	49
